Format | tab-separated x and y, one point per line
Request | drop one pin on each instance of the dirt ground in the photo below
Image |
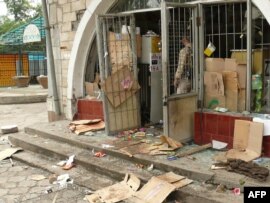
23	115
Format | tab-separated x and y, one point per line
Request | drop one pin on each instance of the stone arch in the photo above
79	54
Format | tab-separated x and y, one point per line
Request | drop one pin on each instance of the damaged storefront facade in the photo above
163	62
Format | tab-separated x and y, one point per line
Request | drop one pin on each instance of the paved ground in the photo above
16	182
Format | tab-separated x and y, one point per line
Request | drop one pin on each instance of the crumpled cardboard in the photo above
117	192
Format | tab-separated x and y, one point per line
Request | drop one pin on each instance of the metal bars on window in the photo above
180	55
225	27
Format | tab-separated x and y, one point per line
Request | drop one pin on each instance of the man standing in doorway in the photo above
182	78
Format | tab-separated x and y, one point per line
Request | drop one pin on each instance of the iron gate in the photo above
116	43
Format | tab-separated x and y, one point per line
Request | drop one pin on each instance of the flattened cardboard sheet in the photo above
93	127
117	192
154	191
241	134
8	152
84	122
170	177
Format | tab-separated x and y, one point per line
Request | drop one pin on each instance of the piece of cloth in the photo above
249	169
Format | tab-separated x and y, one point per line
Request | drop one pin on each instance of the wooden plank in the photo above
181	118
194	150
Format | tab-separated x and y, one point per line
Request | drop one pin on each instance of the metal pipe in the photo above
249	54
50	58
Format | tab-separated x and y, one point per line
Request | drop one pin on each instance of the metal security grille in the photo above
116	43
225	27
180	29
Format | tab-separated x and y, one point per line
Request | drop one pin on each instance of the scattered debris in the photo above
221	188
218	145
100	154
62	163
55	197
171	157
194	150
88	192
37	177
12	164
218	166
236	191
9	152
63	180
117	192
155	190
69	163
140	166
106	146
9	129
82	126
171	142
48	190
151	167
249	169
242	181
4	140
52	178
139	134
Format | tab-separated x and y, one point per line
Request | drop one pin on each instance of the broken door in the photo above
179	67
118	70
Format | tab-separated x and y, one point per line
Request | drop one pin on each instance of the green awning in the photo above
15	36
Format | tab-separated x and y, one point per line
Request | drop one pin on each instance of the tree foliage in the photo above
22	10
19	11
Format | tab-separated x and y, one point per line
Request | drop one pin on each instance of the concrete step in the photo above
197	169
80	175
95	173
60	133
111	166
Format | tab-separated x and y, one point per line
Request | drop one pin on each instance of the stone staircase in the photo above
46	144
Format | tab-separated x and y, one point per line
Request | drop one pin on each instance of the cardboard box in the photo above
247	140
91	88
231	89
214	64
241	100
258	56
213	82
241	69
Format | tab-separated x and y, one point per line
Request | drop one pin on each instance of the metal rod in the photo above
102	72
50	57
249	54
164	19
